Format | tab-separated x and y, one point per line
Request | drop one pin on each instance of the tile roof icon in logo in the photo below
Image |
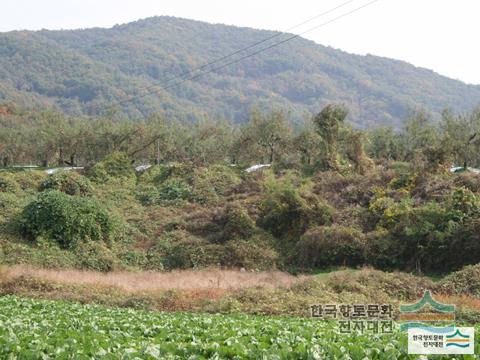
415	316
458	340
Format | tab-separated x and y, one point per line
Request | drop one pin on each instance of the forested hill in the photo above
84	71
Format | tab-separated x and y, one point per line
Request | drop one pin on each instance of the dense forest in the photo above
84	72
333	196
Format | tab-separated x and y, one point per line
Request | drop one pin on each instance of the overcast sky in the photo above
442	35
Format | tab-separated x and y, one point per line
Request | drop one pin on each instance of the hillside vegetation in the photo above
193	230
333	196
85	71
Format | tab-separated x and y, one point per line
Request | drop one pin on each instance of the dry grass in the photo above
153	281
462	301
268	293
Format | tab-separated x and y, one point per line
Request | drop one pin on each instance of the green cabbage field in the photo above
34	329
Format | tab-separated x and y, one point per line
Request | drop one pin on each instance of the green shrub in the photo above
8	183
69	182
147	194
116	166
376	284
348	189
29	180
383	251
212	182
174	192
286	212
157	174
193	253
148	176
387	212
431	237
425	233
95	256
67	220
404	178
9	204
237	224
403	181
180	250
463	205
134	259
44	255
206	184
463	246
463	282
334	245
173	250
249	254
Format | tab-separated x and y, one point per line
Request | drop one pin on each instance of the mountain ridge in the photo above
85	71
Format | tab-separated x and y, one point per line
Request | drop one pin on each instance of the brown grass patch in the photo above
461	301
200	280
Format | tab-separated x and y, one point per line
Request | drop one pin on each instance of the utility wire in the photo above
251	46
202	67
292	37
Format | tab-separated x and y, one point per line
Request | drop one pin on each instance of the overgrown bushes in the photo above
29	180
116	166
69	182
174	192
180	250
212	183
174	184
326	246
254	254
237	223
96	256
430	237
8	184
204	216
67	220
287	212
463	282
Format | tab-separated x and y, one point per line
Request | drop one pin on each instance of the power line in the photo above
224	57
292	37
202	67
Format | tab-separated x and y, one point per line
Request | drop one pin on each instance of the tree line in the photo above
321	142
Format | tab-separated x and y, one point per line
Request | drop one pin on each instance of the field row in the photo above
32	329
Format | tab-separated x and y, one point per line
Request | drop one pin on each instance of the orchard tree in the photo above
461	136
307	143
328	123
355	151
267	135
384	144
418	134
